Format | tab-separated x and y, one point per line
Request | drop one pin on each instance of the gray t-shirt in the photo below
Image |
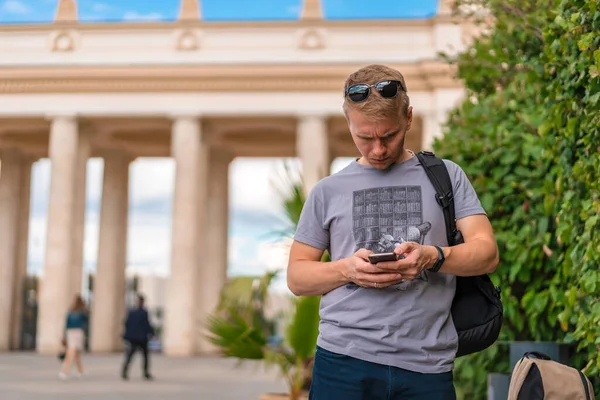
408	325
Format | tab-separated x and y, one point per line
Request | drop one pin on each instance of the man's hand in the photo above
360	271
416	259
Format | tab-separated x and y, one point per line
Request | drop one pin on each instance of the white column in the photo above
22	247
190	178
432	129
57	291
448	38
442	101
312	147
213	274
10	180
108	308
447	34
79	212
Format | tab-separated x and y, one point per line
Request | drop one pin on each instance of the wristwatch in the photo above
440	261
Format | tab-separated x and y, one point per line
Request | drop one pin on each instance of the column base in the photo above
49	350
203	353
210	353
107	350
180	353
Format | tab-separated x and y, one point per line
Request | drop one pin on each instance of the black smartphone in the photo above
376	258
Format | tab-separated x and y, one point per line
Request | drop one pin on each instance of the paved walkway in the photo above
27	376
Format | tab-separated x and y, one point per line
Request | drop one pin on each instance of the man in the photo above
138	332
386	330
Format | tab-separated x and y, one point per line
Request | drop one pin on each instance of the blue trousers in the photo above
340	377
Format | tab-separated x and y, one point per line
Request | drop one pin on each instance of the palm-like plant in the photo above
239	326
291	192
247	339
295	354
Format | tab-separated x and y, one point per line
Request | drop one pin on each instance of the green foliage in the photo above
291	194
303	330
572	138
527	137
241	331
237	336
242	291
239	326
301	338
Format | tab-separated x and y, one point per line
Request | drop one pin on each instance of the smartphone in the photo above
375	258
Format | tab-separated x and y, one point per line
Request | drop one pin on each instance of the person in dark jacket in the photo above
138	332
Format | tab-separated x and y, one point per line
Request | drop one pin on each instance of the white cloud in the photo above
40	186
15	7
94	176
135	16
37	242
241	252
252	183
340	163
90	238
149	241
151	178
274	256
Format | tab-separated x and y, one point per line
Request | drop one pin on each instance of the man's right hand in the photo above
359	270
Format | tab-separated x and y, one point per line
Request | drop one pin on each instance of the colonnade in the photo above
199	232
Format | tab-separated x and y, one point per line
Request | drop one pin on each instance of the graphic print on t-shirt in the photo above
384	217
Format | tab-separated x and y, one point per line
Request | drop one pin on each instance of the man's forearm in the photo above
476	257
315	278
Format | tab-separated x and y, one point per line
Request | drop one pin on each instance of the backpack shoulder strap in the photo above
440	179
518	376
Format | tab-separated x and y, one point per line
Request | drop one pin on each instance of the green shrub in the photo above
572	143
527	137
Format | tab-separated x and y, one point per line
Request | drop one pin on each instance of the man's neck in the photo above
405	155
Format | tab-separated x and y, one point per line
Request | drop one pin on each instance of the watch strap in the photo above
440	261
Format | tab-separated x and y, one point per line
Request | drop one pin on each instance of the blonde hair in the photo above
376	107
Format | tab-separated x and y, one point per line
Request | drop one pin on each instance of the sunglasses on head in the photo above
386	88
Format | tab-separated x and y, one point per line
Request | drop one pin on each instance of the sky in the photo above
253	245
40	11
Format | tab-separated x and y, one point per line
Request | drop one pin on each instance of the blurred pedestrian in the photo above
138	332
74	339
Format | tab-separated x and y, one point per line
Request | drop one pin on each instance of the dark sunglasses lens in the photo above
358	93
387	89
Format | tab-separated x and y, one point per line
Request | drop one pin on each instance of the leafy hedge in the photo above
572	138
527	135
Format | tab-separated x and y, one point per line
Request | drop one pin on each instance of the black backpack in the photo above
476	309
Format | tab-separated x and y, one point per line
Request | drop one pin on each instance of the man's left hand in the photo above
416	259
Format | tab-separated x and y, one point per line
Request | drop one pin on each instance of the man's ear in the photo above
409	116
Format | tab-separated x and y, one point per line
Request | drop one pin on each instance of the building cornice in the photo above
200	24
242	78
